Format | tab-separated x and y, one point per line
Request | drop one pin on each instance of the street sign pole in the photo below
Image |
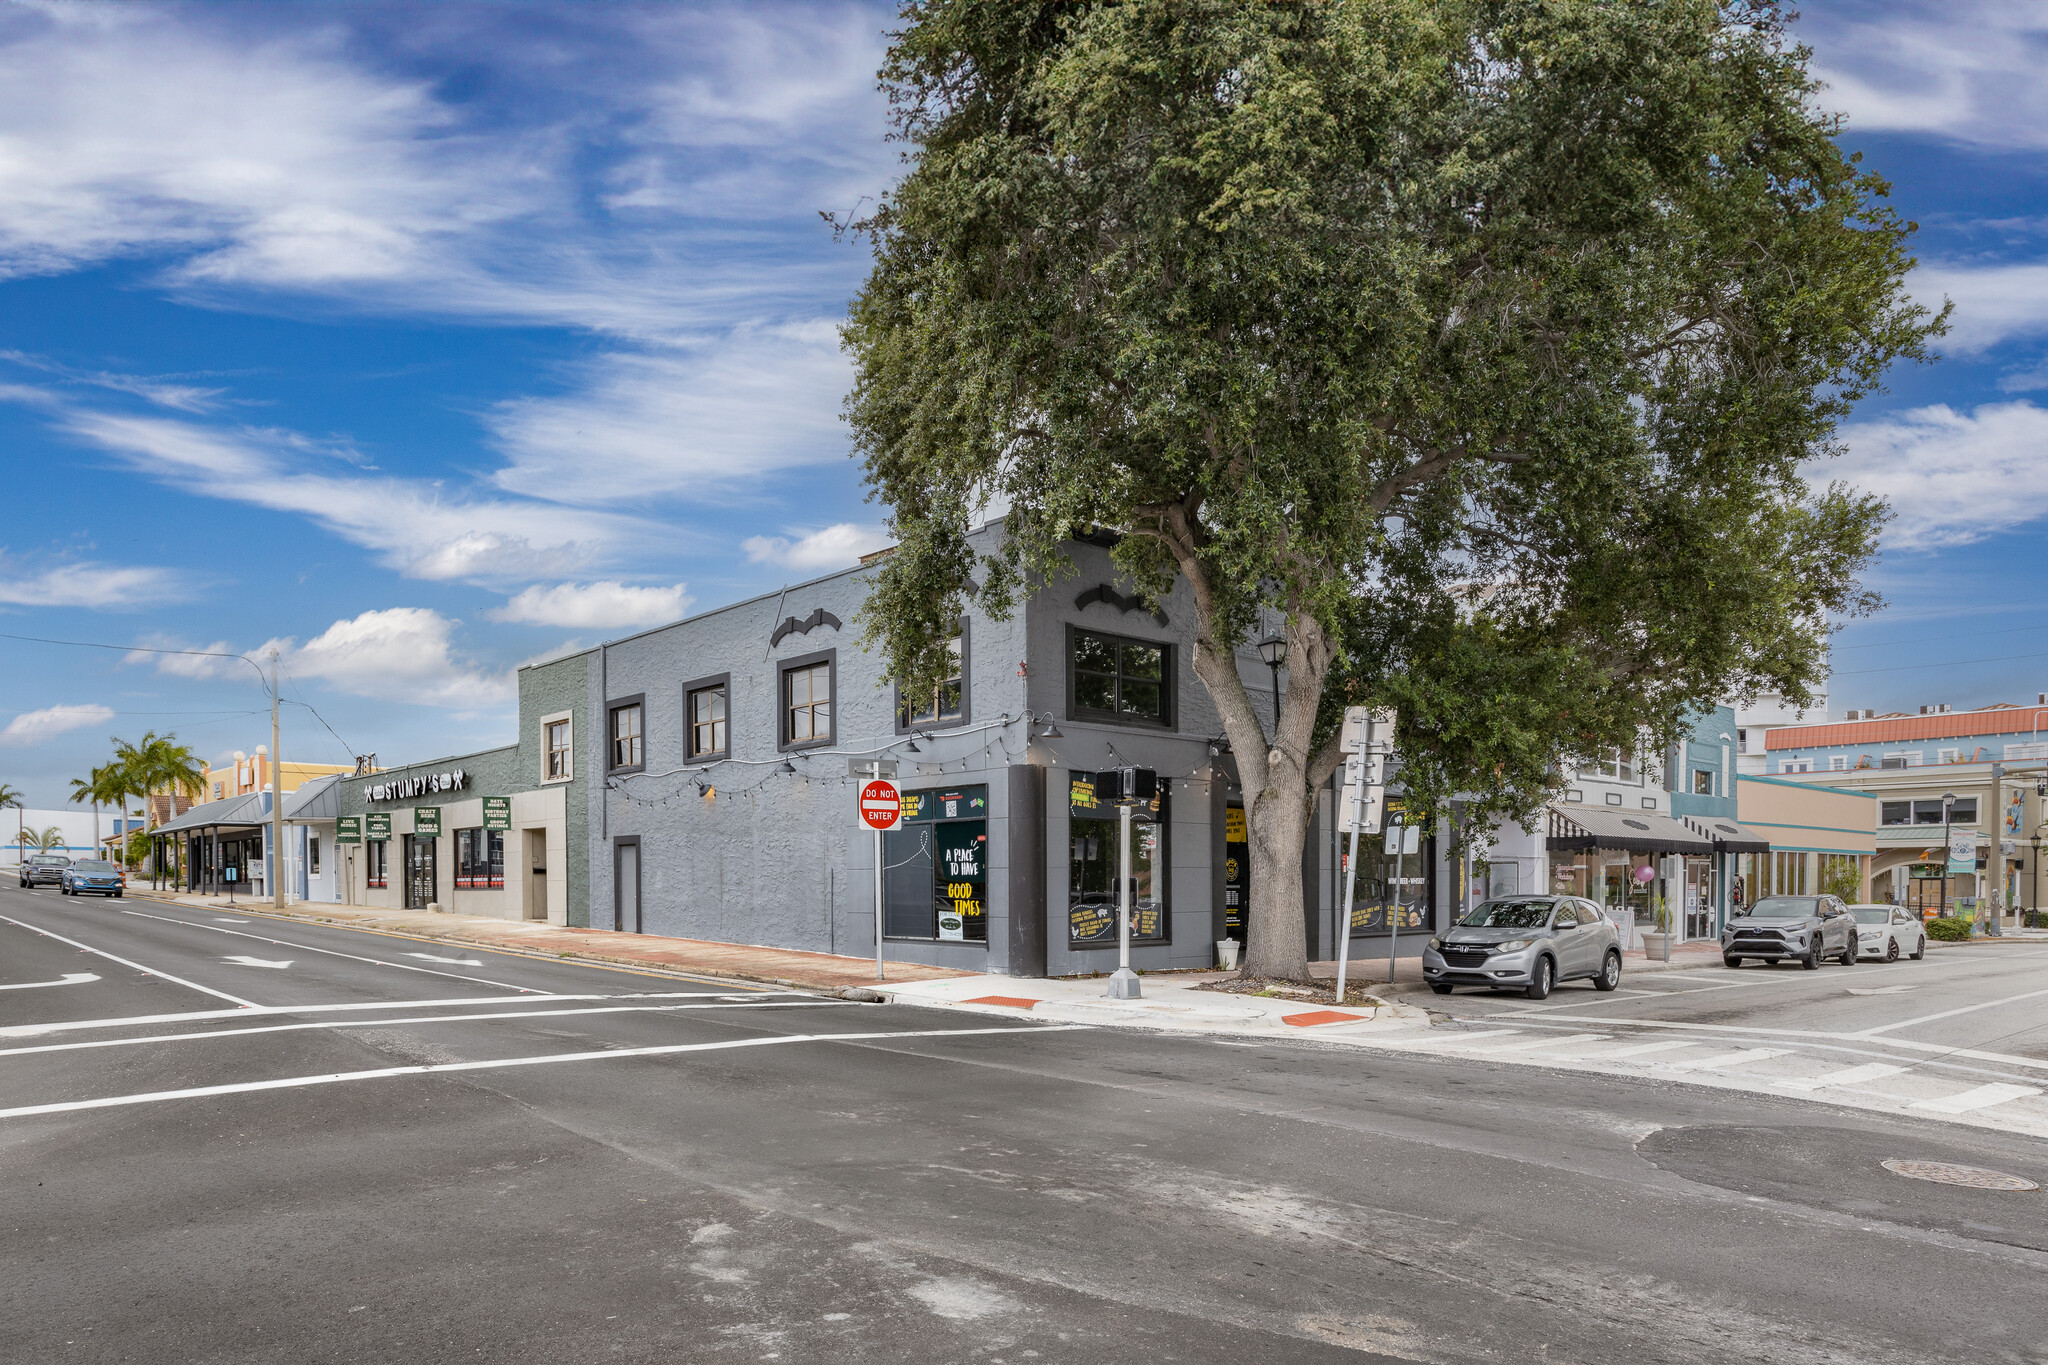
1356	761
1367	735
877	777
880	808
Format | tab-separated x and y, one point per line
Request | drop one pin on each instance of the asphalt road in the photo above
374	1153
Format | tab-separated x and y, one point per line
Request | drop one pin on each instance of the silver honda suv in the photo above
1802	929
1525	943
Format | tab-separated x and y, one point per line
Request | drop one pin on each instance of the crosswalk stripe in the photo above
1546	1040
1640	1050
1721	1060
1983	1097
1850	1075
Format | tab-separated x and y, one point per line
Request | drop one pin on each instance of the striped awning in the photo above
1728	836
1573	828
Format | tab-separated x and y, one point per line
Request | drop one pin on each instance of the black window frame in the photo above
1904	810
723	682
1162	873
611	713
377	864
1169	682
906	724
467	860
783	668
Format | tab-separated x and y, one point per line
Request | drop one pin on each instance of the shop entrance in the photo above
935	868
1237	872
422	873
1699	899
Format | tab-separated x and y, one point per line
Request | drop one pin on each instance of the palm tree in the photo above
44	839
158	764
9	796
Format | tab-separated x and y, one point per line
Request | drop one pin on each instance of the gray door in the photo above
1577	940
537	884
626	886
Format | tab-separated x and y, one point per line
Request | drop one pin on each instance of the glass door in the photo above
422	873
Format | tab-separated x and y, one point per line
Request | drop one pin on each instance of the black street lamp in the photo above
1948	805
1273	650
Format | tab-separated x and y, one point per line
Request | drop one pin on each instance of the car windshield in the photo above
1508	915
93	865
49	860
1786	907
1873	914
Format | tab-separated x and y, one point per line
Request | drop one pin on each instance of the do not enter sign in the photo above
881	805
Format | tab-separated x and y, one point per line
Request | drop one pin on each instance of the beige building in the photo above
247	773
1818	832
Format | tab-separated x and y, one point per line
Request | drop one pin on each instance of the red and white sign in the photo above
881	805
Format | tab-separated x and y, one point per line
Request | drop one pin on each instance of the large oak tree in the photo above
1476	344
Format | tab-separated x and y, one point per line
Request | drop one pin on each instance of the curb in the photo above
855	993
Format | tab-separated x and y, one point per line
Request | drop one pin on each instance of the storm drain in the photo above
1971	1177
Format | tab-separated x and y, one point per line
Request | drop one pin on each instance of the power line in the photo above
1938	639
137	649
1949	663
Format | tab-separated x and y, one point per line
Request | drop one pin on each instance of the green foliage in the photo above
1949	929
1843	883
43	840
1482	343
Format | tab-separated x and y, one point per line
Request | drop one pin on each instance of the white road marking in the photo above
1983	1097
330	952
417	1019
1721	1060
451	961
1848	1075
1881	990
607	1055
1548	1040
223	919
241	961
1950	1014
124	1021
1640	1049
147	971
1814	1035
68	979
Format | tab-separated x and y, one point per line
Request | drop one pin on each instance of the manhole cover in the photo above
1974	1177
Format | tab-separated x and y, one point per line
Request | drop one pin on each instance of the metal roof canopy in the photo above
246	810
1629	831
1728	835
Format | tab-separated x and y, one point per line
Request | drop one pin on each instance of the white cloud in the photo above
1994	303
1967	73
202	661
607	605
164	391
1951	477
33	727
409	522
400	655
96	587
835	547
685	420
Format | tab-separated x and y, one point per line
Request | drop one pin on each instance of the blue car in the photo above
93	877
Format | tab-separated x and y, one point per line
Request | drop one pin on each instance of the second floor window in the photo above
556	736
1702	781
807	704
1117	679
706	709
1926	812
626	736
942	703
1618	764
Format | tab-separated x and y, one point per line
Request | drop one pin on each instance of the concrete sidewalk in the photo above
1172	1000
734	961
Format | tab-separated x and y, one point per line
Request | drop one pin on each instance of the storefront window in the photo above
1394	888
375	863
1093	832
935	868
480	859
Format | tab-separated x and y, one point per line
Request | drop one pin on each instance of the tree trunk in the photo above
1276	935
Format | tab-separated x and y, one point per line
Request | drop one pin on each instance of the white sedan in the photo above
1886	931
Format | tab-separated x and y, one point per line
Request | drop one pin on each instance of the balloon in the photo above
1646	875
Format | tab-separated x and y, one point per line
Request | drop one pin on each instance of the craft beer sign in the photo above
426	821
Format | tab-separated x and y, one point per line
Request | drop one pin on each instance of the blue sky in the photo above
419	341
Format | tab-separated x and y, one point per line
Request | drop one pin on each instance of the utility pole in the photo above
276	797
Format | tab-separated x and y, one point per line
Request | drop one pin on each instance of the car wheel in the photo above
1540	979
1921	951
1811	962
1891	950
1440	987
1849	952
1727	961
1610	973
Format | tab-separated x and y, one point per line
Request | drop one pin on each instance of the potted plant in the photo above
1657	943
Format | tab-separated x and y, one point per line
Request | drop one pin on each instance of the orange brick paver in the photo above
737	961
1314	1017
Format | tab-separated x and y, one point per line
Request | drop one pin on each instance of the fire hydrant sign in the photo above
881	805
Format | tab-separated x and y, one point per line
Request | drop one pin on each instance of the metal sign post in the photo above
1133	785
1366	735
881	809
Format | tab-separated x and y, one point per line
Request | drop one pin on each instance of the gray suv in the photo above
1529	943
1802	929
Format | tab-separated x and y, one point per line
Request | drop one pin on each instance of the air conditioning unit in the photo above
1937	709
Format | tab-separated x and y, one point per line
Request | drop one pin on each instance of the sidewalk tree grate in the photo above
1970	1177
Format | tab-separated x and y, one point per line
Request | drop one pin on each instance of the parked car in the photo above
44	869
93	876
1528	943
1802	929
1887	930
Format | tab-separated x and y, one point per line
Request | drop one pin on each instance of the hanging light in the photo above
788	768
1051	731
910	747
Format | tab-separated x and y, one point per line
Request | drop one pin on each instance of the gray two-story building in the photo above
701	780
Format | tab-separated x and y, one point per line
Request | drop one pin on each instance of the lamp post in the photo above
1273	650
1948	805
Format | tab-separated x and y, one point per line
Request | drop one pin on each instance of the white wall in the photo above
75	821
